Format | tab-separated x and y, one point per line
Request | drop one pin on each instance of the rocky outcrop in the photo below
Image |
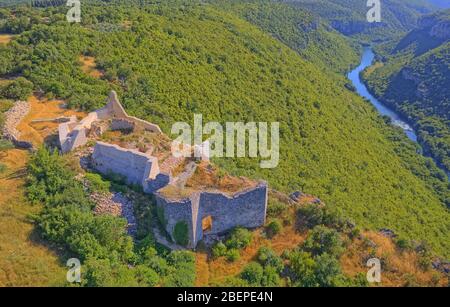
12	118
116	204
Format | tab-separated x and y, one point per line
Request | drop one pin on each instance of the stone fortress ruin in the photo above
190	193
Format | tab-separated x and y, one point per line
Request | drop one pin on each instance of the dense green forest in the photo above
170	60
314	39
349	16
414	79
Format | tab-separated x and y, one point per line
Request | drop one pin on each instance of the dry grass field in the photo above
26	260
89	67
5	38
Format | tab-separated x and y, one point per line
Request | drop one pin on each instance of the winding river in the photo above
361	89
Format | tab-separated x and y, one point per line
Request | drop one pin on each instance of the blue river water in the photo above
361	89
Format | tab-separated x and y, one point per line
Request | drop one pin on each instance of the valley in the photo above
351	182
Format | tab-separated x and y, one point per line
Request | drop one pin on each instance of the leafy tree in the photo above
267	257
323	240
239	238
274	227
19	89
253	274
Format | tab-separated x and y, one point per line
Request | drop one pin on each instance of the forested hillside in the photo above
169	61
349	16
314	39
415	78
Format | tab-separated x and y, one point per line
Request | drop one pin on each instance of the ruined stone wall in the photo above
12	118
137	167
175	211
246	209
73	135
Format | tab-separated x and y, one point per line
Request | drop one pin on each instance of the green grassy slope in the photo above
415	79
170	61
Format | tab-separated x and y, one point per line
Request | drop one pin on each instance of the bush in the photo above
146	276
182	272
312	215
403	244
5	145
275	208
253	274
273	228
233	255
270	278
97	184
3	168
324	240
321	271
267	257
219	250
104	273
19	89
239	238
180	233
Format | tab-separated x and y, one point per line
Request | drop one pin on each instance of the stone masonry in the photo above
246	209
74	134
221	211
12	118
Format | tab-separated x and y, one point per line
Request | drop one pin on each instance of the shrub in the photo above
146	276
312	215
150	258
403	244
270	278
253	273
321	271
233	255
273	228
182	273
219	250
5	145
239	238
105	273
324	240
19	89
96	183
302	266
275	208
267	257
3	168
180	233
